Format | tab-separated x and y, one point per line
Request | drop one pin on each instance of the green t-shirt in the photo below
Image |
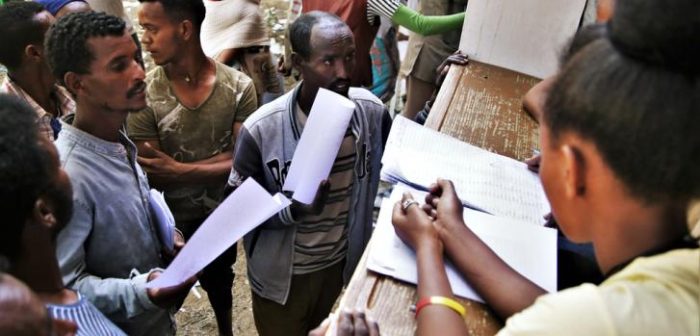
190	135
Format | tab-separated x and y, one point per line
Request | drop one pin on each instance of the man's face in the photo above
46	20
115	81
332	58
59	195
161	36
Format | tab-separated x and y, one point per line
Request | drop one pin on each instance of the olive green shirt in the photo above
190	135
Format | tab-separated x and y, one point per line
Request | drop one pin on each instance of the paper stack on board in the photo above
485	181
529	249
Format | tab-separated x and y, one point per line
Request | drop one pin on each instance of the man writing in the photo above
109	249
186	134
298	260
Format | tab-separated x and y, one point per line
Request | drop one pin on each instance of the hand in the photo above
156	163
413	225
178	244
444	67
443	204
281	68
533	163
168	297
316	207
349	324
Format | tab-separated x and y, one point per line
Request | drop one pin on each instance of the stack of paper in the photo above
531	250
485	181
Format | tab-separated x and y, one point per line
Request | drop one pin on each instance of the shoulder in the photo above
232	77
269	114
575	311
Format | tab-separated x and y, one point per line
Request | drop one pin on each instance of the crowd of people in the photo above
87	133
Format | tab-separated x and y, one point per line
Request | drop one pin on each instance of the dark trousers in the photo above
217	277
311	298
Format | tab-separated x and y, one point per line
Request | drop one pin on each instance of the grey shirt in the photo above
109	246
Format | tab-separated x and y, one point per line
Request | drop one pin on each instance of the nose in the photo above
138	74
343	69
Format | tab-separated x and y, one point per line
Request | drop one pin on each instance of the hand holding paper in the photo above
319	144
246	208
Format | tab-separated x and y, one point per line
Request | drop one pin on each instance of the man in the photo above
186	134
298	260
109	249
22	29
47	205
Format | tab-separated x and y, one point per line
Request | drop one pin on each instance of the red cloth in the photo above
354	14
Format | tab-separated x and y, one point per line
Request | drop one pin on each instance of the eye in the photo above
327	62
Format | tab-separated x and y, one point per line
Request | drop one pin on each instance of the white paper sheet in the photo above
418	156
529	249
246	208
526	36
319	144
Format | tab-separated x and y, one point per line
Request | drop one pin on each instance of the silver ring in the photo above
408	203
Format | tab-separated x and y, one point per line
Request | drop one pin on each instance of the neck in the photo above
104	125
38	268
189	67
36	86
635	229
306	97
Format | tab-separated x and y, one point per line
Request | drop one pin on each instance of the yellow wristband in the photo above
440	300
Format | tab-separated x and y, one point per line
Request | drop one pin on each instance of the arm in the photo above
416	229
109	295
165	172
414	21
504	289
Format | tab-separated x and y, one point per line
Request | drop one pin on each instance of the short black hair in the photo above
300	30
18	29
181	10
66	41
640	110
25	170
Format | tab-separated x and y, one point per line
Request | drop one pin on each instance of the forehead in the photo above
152	12
107	48
328	36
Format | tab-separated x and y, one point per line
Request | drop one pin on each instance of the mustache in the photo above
140	86
340	82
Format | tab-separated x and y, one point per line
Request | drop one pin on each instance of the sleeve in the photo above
575	311
427	25
247	162
384	8
386	127
109	295
247	104
142	125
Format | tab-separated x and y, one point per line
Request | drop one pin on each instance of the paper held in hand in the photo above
531	250
319	144
246	208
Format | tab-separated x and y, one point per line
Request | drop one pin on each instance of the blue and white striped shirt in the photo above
89	320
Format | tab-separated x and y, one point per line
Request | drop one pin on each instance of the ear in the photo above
33	52
73	82
45	213
186	30
297	60
575	172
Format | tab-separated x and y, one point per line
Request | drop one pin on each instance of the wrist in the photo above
430	245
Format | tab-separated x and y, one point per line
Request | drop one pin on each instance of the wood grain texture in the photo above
479	104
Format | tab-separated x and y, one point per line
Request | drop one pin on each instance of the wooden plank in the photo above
388	301
487	111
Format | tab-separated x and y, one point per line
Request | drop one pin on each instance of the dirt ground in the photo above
196	318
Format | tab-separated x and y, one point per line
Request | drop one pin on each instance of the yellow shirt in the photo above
658	295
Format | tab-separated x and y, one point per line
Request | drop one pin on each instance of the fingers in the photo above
356	324
446	186
345	325
360	323
322	328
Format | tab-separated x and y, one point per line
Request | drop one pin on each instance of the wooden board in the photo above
485	109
